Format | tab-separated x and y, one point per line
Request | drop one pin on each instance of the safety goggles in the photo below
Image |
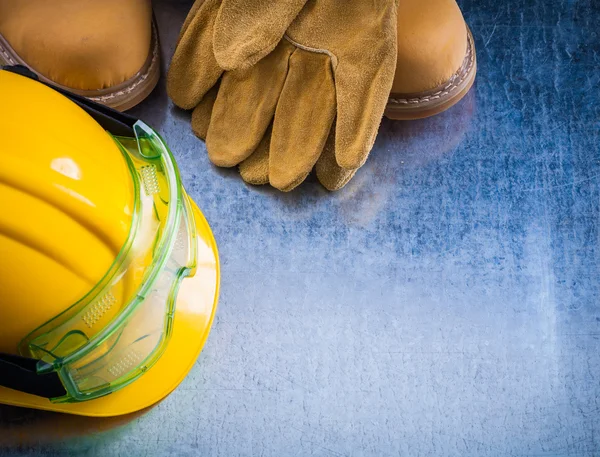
117	331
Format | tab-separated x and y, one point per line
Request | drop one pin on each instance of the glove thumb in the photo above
246	31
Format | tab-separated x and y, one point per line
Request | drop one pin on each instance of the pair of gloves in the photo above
281	87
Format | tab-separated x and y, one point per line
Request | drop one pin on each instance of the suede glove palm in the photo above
273	114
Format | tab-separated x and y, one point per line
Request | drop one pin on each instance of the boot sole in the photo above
428	103
120	97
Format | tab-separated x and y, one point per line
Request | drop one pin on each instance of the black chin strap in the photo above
19	373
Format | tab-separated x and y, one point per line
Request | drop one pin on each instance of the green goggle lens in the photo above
118	330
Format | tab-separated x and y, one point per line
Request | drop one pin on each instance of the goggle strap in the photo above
20	373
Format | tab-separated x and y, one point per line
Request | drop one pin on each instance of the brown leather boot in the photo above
436	63
105	50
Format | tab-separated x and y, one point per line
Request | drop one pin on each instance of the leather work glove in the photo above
273	113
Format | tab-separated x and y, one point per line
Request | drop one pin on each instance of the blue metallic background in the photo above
444	303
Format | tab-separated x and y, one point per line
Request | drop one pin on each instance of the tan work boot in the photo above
436	63
106	50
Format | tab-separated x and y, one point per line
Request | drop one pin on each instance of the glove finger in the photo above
255	169
304	116
329	173
246	31
363	83
245	107
191	15
203	111
193	69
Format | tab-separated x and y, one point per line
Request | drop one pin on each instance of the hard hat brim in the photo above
195	310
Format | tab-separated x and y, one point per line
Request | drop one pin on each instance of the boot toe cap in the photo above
432	43
86	45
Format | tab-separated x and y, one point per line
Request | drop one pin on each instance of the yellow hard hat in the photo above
109	273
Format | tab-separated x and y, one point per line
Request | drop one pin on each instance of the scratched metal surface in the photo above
444	303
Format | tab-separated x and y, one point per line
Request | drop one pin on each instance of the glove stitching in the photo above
334	60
